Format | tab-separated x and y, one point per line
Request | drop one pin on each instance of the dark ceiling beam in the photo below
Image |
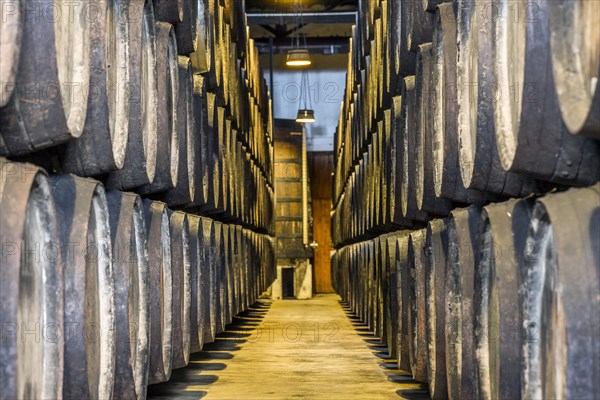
332	17
276	32
294	29
281	31
337	45
304	5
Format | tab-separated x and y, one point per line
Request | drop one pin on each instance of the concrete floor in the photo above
285	349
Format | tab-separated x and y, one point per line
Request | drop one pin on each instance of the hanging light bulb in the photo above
298	58
306	115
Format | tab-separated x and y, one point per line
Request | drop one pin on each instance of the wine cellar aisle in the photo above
321	199
292	349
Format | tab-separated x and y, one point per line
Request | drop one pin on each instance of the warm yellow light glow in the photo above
298	58
305	116
298	63
305	120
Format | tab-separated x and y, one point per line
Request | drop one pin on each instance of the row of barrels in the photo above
470	123
498	302
103	293
231	66
116	90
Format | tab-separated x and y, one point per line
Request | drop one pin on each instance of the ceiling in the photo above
325	25
300	5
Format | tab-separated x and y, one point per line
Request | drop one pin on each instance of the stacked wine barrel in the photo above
136	190
466	203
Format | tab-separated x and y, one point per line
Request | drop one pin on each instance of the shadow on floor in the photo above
190	382
390	365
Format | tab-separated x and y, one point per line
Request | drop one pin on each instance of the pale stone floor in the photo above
310	349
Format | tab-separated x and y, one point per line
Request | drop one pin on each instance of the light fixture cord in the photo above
302	90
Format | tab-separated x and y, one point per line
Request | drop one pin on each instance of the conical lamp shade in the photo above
298	58
305	116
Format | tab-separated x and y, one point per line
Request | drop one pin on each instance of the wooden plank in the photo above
320	169
288	193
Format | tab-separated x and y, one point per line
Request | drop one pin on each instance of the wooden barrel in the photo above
238	268
381	257
247	270
575	51
401	59
243	270
407	157
417	323
212	50
363	286
368	288
385	127
216	15
530	134
234	270
502	235
388	86
218	118
158	244
402	346
430	5
460	269
426	197
168	10
446	176
142	147
196	261
101	147
10	49
355	258
201	155
560	347
418	24
396	214
227	302
201	56
424	191
479	163
180	267
167	72
208	279
382	182
374	284
370	186
234	232
363	196
132	316
187	27
383	289
89	288
436	243
391	293
31	285
202	276
382	95
218	262
234	154
49	104
229	179
183	192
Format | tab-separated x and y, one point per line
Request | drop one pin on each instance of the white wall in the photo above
327	78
